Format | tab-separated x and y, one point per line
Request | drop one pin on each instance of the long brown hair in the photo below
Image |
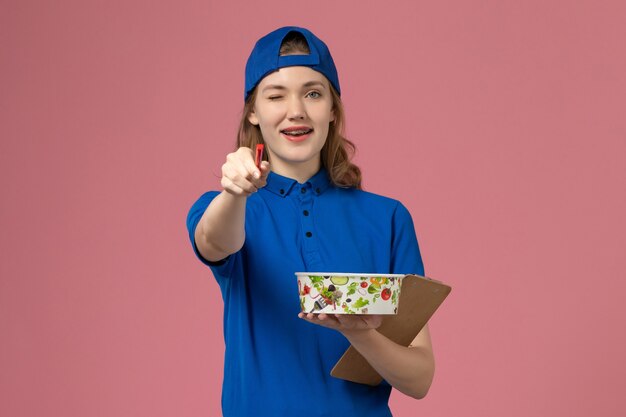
336	152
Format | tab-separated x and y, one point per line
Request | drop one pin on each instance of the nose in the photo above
296	109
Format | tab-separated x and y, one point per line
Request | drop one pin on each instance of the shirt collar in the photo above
282	186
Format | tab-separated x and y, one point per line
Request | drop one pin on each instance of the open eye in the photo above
314	94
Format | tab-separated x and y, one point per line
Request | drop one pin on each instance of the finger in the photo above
243	161
363	320
310	317
265	169
232	188
373	320
315	317
252	171
237	177
238	188
328	319
265	172
260	183
345	321
246	168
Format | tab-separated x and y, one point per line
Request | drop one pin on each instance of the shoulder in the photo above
370	207
206	198
202	202
372	200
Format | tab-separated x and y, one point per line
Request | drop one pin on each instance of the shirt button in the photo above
305	212
303	190
309	234
282	191
317	190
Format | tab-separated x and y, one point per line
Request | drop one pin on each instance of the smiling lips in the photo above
296	133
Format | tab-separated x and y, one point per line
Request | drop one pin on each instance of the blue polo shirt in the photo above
275	363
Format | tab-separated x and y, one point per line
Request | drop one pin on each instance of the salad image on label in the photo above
349	293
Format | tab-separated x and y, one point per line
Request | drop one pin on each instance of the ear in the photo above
252	118
332	114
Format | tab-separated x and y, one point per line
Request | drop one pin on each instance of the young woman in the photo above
302	209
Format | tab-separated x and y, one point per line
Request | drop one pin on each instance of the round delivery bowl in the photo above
349	293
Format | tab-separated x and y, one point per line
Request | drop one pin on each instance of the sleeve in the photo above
405	253
223	267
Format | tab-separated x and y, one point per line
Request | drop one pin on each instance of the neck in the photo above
300	172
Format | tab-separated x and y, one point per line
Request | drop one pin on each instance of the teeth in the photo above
296	132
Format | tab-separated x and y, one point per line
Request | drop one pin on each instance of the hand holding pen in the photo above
242	175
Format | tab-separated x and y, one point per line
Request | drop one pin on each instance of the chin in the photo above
298	161
299	156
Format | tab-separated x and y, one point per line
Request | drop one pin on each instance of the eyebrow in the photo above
281	87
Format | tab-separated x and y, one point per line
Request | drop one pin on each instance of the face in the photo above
293	109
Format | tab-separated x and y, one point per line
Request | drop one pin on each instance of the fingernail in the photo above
256	174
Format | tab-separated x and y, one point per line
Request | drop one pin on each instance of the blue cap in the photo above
265	58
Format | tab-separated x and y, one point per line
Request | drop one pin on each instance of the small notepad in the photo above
419	299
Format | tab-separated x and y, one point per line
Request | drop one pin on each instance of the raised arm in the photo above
220	231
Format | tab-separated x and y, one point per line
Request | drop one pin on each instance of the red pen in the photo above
259	155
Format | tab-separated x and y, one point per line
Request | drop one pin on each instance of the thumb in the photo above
265	169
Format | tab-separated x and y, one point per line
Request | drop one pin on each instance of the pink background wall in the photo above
500	124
